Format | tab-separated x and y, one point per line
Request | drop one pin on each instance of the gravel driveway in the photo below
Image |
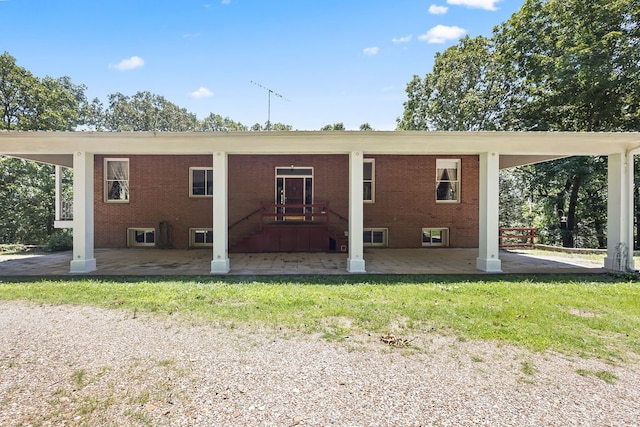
68	365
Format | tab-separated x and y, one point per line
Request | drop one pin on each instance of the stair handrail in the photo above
342	218
245	218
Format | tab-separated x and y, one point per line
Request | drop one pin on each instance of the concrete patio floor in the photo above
158	262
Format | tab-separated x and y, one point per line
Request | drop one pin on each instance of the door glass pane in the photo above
294	171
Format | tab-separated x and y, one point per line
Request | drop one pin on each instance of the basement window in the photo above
141	237
375	237
435	237
201	237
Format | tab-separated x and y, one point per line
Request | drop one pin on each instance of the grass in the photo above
19	249
606	376
590	316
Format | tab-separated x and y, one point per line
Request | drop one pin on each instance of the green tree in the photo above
26	201
30	103
268	126
336	126
465	91
15	97
575	64
145	111
365	127
216	123
575	67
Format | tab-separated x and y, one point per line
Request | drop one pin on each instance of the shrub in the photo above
61	241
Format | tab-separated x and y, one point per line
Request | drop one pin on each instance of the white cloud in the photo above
202	92
442	33
405	39
476	4
371	51
225	2
434	9
129	64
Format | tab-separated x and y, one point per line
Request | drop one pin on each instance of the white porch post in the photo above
355	262
83	258
220	261
488	259
620	213
58	206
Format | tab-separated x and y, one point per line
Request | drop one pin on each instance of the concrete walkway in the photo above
151	262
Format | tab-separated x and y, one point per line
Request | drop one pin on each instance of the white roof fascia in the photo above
551	144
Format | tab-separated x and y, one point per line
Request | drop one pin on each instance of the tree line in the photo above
555	65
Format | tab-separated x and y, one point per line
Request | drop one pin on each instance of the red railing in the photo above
272	212
511	237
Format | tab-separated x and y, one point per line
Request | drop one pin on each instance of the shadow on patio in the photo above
152	262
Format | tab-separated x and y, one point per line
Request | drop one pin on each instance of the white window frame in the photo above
372	181
124	181
442	164
207	170
385	237
444	237
131	237
192	237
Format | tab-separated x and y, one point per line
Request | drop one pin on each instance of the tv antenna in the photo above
269	91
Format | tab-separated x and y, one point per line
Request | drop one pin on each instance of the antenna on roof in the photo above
269	91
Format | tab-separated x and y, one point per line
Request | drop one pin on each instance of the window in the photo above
201	237
375	237
448	180
141	237
435	237
116	180
368	182
201	182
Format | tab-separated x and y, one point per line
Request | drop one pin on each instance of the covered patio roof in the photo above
495	150
515	148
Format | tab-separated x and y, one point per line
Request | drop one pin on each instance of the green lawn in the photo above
590	316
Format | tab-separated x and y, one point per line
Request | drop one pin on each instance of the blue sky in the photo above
331	60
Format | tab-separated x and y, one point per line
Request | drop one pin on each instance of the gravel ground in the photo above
68	365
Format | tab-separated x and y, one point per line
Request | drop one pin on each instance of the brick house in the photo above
306	191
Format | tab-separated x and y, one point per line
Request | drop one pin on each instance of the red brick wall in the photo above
404	200
252	180
159	191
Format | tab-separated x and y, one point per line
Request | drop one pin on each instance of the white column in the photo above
488	259
83	258
355	262
58	207
620	213
220	261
